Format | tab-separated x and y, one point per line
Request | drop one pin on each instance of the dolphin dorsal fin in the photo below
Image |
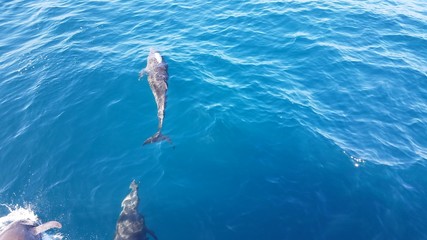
45	226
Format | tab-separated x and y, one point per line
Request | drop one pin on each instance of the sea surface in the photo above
289	119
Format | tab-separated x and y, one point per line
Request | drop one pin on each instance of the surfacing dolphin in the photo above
27	230
157	70
131	224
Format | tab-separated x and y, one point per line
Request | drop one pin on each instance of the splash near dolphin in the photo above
27	230
131	224
157	71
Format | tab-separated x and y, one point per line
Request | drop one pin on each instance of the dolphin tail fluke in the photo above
157	137
46	226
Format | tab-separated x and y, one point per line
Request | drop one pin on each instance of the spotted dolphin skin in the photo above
157	71
131	224
27	230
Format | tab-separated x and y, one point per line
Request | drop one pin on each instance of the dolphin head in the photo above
155	55
131	201
158	57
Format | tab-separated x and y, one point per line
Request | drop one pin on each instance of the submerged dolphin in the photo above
157	70
131	224
27	230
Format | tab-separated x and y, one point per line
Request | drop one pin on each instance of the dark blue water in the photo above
290	119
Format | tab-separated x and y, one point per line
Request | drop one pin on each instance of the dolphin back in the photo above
157	70
131	224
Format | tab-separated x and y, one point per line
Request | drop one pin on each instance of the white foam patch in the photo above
17	213
158	57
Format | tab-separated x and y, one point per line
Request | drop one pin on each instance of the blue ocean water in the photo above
290	119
